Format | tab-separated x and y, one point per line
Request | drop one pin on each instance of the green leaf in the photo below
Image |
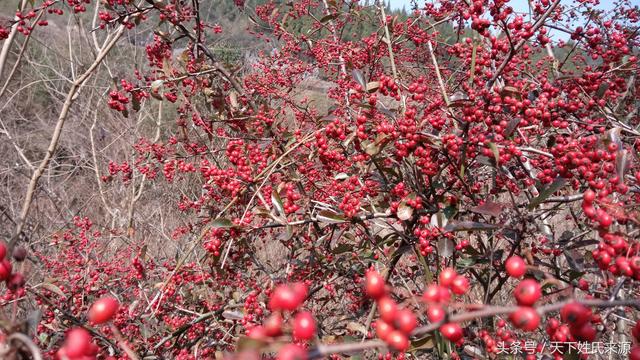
327	216
222	223
424	343
328	18
496	152
277	202
473	63
135	102
341	176
466	262
341	248
556	185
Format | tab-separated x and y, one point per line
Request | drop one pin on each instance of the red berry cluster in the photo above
287	298
15	281
395	323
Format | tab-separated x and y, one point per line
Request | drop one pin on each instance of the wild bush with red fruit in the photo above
468	183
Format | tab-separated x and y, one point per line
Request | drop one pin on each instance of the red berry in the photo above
19	253
3	250
589	211
525	318
398	341
604	219
292	352
16	281
460	285
585	332
589	196
286	297
77	343
304	326
388	309
431	294
301	291
575	314
634	354
436	294
527	292
5	270
406	321
257	332
103	310
516	267
451	331
374	284
635	331
273	325
383	329
447	276
435	313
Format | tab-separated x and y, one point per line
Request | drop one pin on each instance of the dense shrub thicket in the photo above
456	182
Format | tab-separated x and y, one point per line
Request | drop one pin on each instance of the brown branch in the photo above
57	132
122	343
4	53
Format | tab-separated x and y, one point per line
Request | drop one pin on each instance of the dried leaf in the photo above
473	64
445	246
602	89
358	77
511	91
511	126
458	99
356	327
232	315
373	86
371	148
246	343
623	163
233	99
405	212
613	136
156	87
53	288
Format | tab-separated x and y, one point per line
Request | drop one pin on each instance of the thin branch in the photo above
53	144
